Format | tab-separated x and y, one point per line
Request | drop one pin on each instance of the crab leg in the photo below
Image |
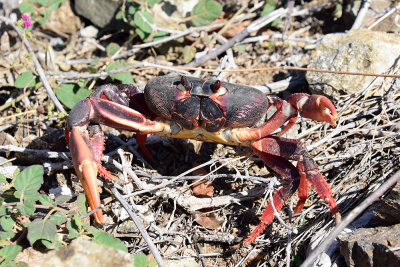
275	153
85	139
314	107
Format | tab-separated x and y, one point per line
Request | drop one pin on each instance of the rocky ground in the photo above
73	47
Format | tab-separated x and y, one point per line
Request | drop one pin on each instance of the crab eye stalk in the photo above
187	85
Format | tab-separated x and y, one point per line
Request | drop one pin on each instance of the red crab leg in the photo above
302	192
275	153
314	107
85	139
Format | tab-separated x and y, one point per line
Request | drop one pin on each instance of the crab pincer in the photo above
86	139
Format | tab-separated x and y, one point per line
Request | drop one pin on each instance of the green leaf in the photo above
26	7
45	13
72	232
40	229
152	263
158	35
58	218
81	203
25	79
109	240
3	210
93	230
141	23
5	235
27	208
29	180
269	7
10	252
188	53
120	15
3	179
124	77
132	9
16	173
7	222
50	244
93	63
55	4
78	222
205	12
44	2
46	200
29	201
70	94
151	3
62	199
112	48
140	260
142	34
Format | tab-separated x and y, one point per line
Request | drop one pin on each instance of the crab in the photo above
206	110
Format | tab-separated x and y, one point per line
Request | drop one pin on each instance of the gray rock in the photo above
355	51
85	253
371	246
99	12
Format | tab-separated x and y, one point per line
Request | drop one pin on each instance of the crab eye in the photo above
216	86
185	85
217	89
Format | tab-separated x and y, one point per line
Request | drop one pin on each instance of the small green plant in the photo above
21	198
40	9
140	15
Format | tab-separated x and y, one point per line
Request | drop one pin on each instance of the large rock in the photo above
366	247
99	12
355	51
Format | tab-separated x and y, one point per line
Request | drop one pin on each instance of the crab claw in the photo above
316	107
86	165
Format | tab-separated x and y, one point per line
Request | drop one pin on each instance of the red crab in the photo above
206	110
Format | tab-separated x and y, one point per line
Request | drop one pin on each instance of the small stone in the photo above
61	191
89	32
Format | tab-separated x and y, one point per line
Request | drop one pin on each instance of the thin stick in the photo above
140	227
254	26
19	98
361	14
349	218
44	152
